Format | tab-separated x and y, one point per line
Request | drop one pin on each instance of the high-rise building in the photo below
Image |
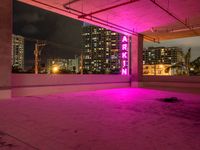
163	55
101	50
163	61
18	51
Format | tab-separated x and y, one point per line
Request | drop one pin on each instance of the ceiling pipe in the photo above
169	13
71	2
101	21
185	29
108	8
150	39
112	25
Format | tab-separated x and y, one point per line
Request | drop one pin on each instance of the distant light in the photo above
192	69
161	66
55	69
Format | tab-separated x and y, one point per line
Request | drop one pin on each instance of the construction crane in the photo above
39	45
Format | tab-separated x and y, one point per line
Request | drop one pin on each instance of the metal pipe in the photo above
108	8
71	2
103	22
106	22
185	29
169	13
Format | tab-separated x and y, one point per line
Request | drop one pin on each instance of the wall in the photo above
31	84
185	79
189	84
5	47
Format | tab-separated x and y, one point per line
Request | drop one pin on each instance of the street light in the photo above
55	69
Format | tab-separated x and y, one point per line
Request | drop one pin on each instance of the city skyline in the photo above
184	43
101	50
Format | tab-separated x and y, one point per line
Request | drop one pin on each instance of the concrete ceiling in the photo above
159	19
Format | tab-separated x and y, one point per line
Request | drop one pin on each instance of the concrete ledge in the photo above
172	86
5	94
185	79
46	90
42	84
26	80
135	84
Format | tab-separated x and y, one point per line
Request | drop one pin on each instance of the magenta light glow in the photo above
124	54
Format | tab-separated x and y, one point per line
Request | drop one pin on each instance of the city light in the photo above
161	66
55	69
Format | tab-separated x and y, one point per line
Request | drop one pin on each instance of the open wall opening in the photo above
44	42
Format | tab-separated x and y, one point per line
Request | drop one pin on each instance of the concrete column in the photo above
136	59
5	48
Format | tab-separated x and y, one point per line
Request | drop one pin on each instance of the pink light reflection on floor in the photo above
117	119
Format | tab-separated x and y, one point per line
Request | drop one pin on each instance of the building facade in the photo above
18	51
163	61
101	50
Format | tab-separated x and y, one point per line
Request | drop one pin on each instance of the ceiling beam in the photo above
108	8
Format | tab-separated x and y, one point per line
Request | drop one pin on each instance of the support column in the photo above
5	48
136	59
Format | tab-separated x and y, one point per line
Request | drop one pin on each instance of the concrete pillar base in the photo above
135	84
5	94
5	48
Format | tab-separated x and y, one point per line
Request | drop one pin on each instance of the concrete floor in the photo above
117	119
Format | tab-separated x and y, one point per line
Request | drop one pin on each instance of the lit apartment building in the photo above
18	51
163	61
101	50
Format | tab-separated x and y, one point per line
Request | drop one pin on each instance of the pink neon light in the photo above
124	71
124	55
124	46
124	63
125	39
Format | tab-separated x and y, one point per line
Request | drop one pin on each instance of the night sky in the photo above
63	34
